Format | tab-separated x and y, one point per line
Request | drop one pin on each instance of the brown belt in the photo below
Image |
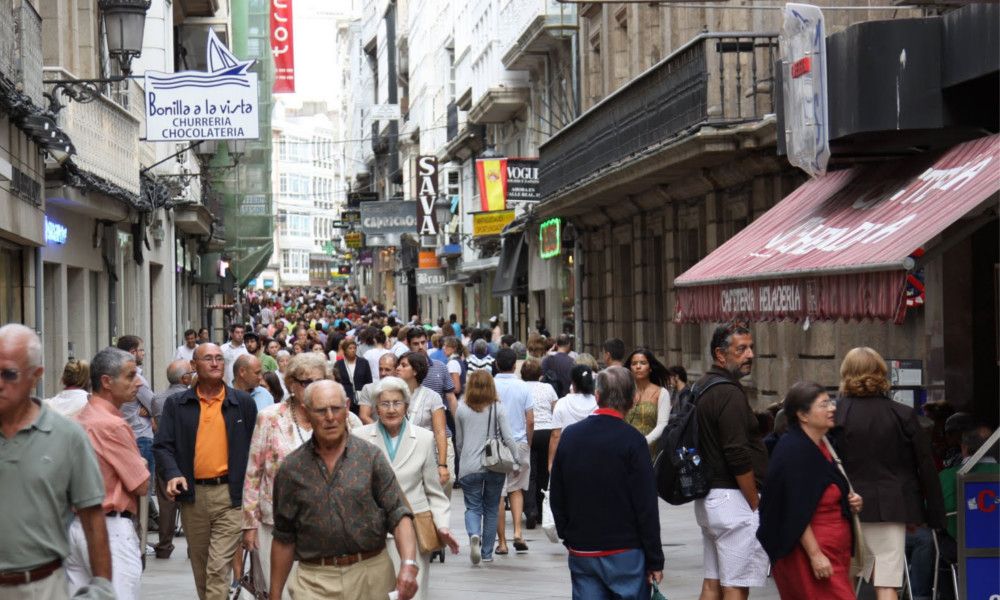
342	560
9	578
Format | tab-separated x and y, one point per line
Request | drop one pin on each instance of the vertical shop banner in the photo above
282	46
427	192
492	176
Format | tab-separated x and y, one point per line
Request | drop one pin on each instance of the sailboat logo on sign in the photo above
220	104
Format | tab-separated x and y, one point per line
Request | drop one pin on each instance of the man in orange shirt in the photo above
201	447
115	381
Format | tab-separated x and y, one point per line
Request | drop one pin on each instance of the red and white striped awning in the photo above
840	246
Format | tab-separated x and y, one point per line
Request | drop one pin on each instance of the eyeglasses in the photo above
10	375
393	404
304	382
831	403
327	410
212	359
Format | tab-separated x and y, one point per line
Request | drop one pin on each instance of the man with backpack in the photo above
735	460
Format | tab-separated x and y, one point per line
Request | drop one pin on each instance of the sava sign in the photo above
427	191
220	104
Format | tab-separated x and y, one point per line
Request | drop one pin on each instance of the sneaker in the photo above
488	560
476	549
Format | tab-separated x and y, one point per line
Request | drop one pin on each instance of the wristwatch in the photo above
410	562
442	466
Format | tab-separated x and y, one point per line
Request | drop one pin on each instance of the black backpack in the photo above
552	378
681	475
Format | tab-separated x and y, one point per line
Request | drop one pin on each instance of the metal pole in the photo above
39	307
578	290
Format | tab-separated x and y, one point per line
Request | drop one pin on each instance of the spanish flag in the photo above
492	174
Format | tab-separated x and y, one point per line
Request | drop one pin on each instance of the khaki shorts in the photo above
520	479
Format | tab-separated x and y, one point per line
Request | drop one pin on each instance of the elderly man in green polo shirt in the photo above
47	469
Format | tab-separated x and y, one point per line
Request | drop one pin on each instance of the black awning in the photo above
512	272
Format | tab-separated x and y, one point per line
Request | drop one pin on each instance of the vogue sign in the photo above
282	46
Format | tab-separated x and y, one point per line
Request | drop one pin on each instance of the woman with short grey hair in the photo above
410	451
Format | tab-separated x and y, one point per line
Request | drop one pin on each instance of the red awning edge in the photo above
877	295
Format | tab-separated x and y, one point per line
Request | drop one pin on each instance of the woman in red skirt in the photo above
805	507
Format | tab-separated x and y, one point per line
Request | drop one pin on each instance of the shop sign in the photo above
522	180
505	180
427	191
490	223
254	204
55	233
550	237
431	277
428	259
388	217
354	239
350	217
268	283
283	46
802	44
220	104
385	112
344	269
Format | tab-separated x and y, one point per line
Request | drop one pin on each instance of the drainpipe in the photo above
578	290
575	70
39	307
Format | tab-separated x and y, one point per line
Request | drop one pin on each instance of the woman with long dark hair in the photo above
652	398
805	525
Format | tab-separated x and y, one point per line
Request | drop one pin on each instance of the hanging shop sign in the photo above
354	239
220	104
550	238
351	217
431	277
506	180
366	258
344	270
802	43
282	46
388	217
427	192
428	259
55	233
490	223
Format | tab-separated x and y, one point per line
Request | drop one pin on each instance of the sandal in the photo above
501	550
519	545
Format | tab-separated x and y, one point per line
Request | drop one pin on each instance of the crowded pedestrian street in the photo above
497	299
537	575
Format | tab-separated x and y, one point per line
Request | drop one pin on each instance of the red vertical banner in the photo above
282	46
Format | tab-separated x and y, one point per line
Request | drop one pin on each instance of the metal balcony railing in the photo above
716	79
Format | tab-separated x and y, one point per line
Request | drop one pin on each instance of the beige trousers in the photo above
265	536
213	529
370	579
53	587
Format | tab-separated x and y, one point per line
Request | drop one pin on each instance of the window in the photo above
626	299
294	149
295	262
293	187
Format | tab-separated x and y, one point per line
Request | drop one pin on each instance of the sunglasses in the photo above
10	375
305	382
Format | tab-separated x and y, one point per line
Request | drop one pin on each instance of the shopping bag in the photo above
657	594
548	521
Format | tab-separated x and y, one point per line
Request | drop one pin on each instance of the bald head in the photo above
209	364
177	370
247	373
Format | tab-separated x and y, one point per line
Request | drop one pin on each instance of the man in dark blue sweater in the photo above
604	499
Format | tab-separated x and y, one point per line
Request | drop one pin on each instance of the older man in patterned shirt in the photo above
335	499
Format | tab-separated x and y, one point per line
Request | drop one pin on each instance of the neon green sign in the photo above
550	237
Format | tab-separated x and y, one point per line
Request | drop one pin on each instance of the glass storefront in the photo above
11	284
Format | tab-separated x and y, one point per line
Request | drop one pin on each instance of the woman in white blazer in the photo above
411	452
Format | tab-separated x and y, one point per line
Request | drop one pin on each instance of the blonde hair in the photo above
864	373
587	360
76	374
480	391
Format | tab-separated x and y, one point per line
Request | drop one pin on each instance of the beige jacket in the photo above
416	469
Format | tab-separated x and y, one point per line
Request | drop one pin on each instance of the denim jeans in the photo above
146	450
482	500
920	554
619	576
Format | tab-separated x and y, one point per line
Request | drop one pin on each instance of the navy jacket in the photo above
603	492
362	377
173	447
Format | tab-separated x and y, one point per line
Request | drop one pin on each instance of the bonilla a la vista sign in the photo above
220	104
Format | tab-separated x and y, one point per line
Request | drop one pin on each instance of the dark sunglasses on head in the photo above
305	382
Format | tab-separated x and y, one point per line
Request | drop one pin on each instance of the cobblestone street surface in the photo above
539	574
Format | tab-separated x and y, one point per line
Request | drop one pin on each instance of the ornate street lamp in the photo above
124	26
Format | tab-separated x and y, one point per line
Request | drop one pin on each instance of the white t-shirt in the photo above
454	366
184	353
373	356
543	397
423	403
573	408
231	353
399	348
